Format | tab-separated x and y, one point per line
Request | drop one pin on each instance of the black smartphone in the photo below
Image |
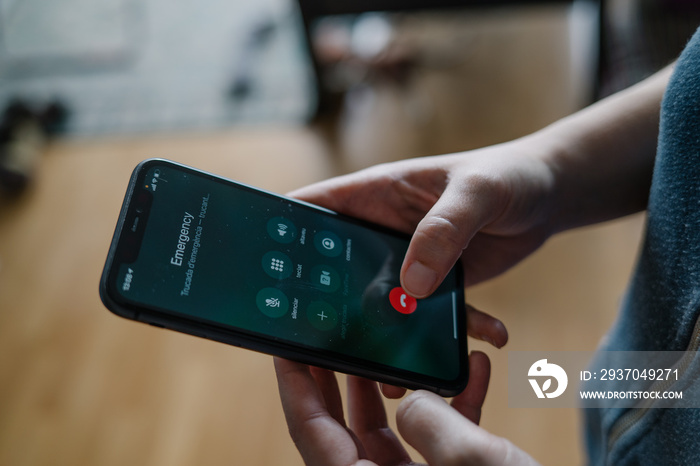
211	257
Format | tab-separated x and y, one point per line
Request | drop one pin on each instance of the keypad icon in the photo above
277	264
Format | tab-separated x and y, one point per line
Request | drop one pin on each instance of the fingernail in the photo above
419	280
488	340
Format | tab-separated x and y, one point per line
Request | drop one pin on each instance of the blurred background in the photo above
277	94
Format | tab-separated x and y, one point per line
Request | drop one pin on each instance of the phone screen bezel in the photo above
268	344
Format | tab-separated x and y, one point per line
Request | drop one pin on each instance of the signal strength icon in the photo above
281	229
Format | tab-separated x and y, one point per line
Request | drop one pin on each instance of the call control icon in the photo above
322	315
281	229
402	302
272	302
328	243
325	278
277	265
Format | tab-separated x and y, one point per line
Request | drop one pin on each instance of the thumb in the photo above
443	234
443	436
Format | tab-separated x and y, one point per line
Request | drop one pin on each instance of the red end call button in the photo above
402	302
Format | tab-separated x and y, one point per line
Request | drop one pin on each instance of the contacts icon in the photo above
328	243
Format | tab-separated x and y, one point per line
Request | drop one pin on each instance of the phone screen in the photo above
216	252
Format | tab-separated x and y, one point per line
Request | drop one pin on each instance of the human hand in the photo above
442	433
489	206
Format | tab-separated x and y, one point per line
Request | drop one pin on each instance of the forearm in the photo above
602	157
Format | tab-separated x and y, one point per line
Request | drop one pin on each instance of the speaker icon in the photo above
281	229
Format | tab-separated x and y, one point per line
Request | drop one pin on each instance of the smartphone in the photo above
214	258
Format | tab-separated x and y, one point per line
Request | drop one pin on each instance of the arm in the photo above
602	157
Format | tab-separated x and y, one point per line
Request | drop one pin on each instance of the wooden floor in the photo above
79	386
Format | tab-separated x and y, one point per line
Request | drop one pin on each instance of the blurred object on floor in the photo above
244	80
350	40
23	133
642	36
129	66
